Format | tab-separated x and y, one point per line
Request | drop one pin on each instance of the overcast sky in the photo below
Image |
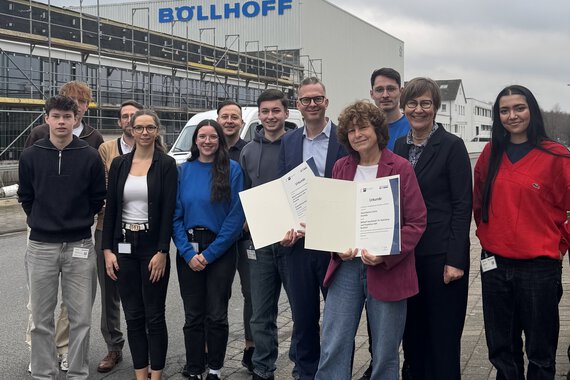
489	44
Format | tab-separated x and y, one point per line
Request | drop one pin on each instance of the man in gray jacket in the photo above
268	267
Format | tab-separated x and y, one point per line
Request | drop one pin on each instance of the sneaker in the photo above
368	373
186	374
63	364
246	360
30	368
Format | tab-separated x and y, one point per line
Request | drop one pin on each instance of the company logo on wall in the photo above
224	11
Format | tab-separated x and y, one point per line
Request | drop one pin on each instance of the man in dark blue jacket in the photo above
307	268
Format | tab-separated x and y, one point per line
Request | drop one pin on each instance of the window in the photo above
443	107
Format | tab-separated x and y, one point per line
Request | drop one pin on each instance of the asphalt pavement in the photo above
14	354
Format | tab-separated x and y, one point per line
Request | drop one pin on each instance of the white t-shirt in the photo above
135	200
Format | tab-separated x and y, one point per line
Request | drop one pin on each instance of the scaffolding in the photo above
43	46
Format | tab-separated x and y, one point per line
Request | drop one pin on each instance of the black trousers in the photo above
206	295
434	323
307	271
143	303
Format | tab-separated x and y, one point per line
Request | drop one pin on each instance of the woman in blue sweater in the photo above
208	220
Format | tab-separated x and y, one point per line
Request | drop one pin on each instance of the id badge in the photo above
80	253
125	248
488	264
251	252
196	247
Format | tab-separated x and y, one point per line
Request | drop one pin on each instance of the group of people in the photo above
418	298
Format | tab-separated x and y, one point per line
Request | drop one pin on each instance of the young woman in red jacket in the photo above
521	195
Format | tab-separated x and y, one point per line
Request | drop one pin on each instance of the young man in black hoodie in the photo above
82	95
62	187
268	267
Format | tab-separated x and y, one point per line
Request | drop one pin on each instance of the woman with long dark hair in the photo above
136	240
521	196
208	220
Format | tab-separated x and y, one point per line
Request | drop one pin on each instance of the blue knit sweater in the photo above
194	208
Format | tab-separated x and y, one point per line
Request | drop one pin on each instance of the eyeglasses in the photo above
315	99
424	104
206	137
389	89
138	129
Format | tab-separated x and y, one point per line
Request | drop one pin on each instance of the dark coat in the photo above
444	175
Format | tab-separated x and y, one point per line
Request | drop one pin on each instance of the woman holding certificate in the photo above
522	182
208	221
436	315
136	240
383	282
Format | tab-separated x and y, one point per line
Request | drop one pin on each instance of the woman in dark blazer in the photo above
136	240
432	338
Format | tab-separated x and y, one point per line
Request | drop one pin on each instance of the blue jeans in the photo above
343	308
522	296
268	271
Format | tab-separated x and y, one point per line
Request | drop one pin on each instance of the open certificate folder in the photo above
275	207
345	214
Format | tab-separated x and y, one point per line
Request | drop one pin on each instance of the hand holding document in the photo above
345	214
278	206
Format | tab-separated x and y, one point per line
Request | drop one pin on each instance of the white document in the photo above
346	214
275	207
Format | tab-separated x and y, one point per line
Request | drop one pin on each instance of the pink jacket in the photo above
395	279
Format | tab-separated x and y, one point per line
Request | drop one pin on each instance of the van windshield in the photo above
184	141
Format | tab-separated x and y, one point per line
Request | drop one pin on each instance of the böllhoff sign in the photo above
224	11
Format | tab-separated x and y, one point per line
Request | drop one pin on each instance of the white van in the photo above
181	148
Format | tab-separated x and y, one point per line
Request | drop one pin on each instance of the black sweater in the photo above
61	190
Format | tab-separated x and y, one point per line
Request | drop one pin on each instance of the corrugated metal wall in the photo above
271	30
343	49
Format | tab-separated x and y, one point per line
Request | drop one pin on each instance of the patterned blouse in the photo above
416	150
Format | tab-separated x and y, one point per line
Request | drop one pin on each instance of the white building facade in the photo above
462	116
320	36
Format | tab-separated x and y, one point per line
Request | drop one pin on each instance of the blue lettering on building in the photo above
250	9
229	10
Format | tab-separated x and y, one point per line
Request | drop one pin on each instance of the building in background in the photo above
179	57
465	117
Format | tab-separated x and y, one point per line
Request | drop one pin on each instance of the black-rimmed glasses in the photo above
138	129
315	99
